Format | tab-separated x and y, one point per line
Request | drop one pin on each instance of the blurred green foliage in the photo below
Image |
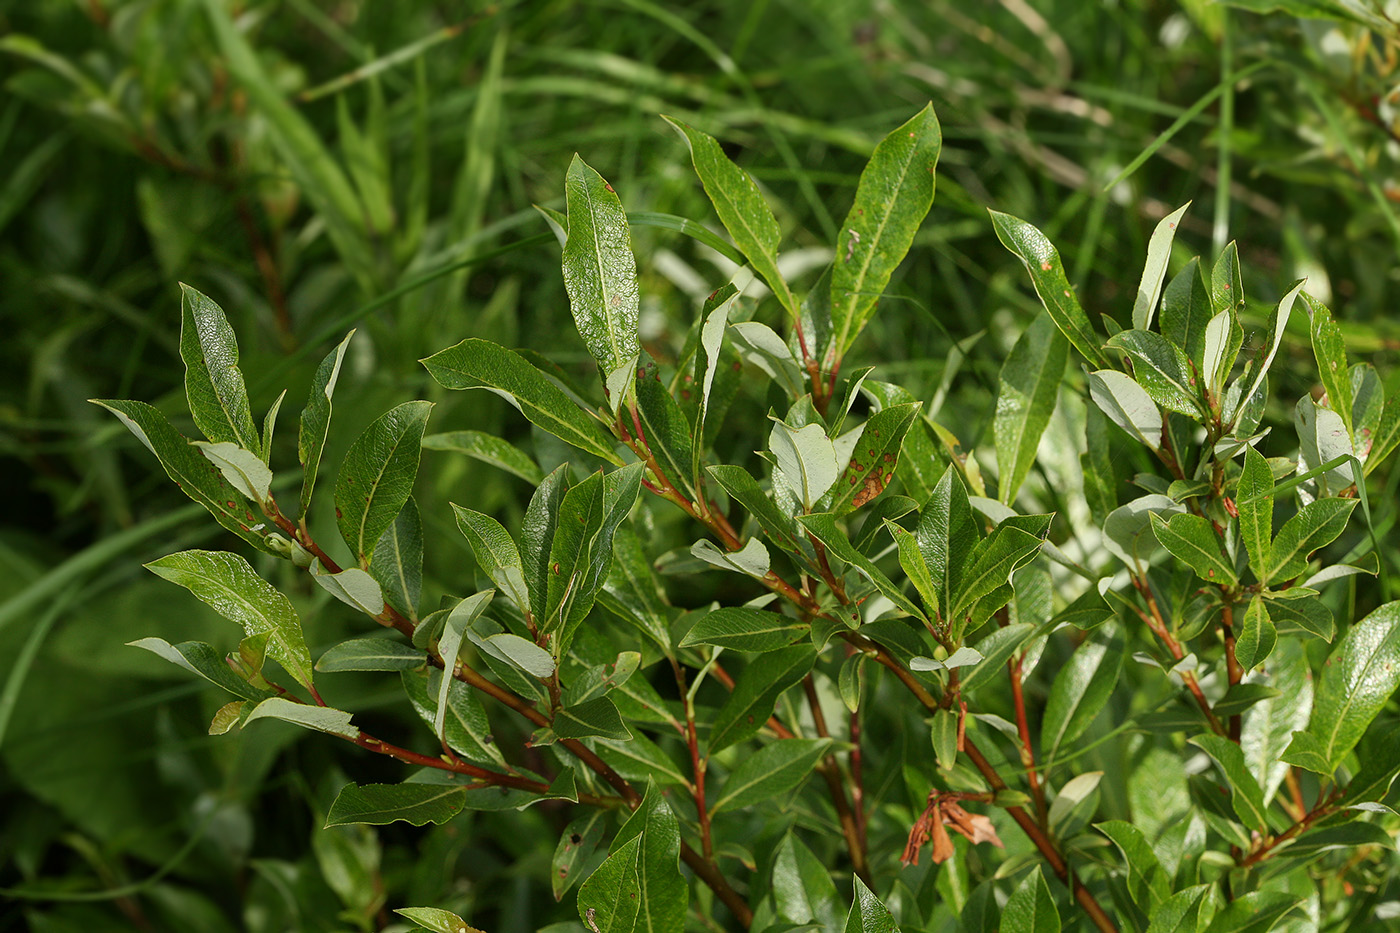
322	165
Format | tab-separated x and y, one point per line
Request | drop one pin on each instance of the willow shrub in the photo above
910	657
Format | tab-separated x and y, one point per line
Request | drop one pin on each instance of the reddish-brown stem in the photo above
1232	665
1295	790
267	268
697	764
1155	621
1265	851
831	772
1023	728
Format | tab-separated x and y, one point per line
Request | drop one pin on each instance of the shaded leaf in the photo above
777	768
1028	383
316	419
377	475
488	449
381	804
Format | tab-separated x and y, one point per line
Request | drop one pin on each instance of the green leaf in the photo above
1278	324
495	552
803	892
465	725
744	489
199	658
370	654
244	469
947	534
454	630
1161	368
1192	540
756	692
537	534
1380	763
1126	529
1322	439
1186	911
1361	673
632	592
777	768
436	919
822	526
1316	525
1387	434
761	346
1270	723
1254	499
874	459
574	853
741	209
869	914
715	317
610	900
488	449
600	276
806	460
944	735
667	430
352	586
1329	347
744	629
996	649
1223	338
993	560
524	654
381	804
662	888
1148	883
1047	273
598	717
228	584
319	718
1255	912
1245	794
892	199
183	463
397	561
1029	381
480	364
377	476
1226	284
1081	689
316	420
1159	250
1257	635
213	382
1186	310
1031	909
1127	405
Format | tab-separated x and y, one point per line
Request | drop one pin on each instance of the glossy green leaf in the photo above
803	892
1255	912
944	734
633	593
488	449
1047	274
1192	540
1186	310
480	364
436	920
1128	530
244	469
996	649
597	716
744	489
662	888
199	658
397	561
317	718
1186	911
1161	369
454	630
752	559
1380	763
610	900
1316	525
756	692
228	584
745	629
868	913
1245	794
1159	249
1081	690
947	533
352	586
600	275
316	419
537	529
381	804
1257	635
1148	884
1387	434
1273	335
377	475
370	654
893	197
574	854
667	430
715	321
1031	909
822	526
872	463
992	562
1254	499
806	460
524	654
1361	673
213	382
741	209
1127	405
1329	347
1322	438
777	768
465	725
495	552
1029	381
1270	723
192	472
